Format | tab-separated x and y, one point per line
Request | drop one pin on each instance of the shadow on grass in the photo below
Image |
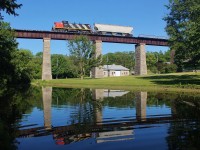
174	79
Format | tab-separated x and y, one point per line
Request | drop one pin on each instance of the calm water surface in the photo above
62	118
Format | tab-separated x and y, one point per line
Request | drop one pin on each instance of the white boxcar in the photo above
106	28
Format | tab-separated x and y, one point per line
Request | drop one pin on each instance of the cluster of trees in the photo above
126	59
157	62
64	66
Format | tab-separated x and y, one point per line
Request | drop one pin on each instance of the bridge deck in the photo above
35	34
98	127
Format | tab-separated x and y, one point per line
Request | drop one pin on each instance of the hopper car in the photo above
115	30
100	29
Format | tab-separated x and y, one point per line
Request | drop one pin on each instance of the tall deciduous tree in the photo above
82	51
8	44
15	67
8	47
183	27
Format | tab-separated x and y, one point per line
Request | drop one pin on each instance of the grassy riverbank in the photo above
180	82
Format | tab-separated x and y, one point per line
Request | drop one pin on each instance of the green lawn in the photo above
182	82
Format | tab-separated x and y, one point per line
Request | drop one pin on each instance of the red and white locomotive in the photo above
65	26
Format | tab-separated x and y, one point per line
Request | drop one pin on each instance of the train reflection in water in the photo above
99	137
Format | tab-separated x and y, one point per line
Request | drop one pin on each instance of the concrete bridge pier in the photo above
141	103
140	60
99	115
46	62
97	72
47	99
97	94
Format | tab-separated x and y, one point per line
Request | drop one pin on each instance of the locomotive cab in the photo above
57	26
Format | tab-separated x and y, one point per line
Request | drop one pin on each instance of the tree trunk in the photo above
81	66
195	68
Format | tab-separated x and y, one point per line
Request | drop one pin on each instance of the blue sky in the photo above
145	16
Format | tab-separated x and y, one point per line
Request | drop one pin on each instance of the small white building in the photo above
115	70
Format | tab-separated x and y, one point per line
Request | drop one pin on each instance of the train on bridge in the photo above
100	29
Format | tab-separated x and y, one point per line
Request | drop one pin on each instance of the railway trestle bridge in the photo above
97	72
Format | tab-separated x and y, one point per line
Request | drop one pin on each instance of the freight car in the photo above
102	29
65	26
115	30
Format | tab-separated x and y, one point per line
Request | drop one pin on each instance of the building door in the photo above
117	73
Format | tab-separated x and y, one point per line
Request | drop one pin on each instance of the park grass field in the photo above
176	82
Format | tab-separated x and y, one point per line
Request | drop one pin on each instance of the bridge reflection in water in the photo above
102	131
47	100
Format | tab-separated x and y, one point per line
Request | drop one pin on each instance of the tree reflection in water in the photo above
184	132
14	102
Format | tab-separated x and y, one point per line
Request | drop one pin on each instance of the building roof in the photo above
115	67
114	93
